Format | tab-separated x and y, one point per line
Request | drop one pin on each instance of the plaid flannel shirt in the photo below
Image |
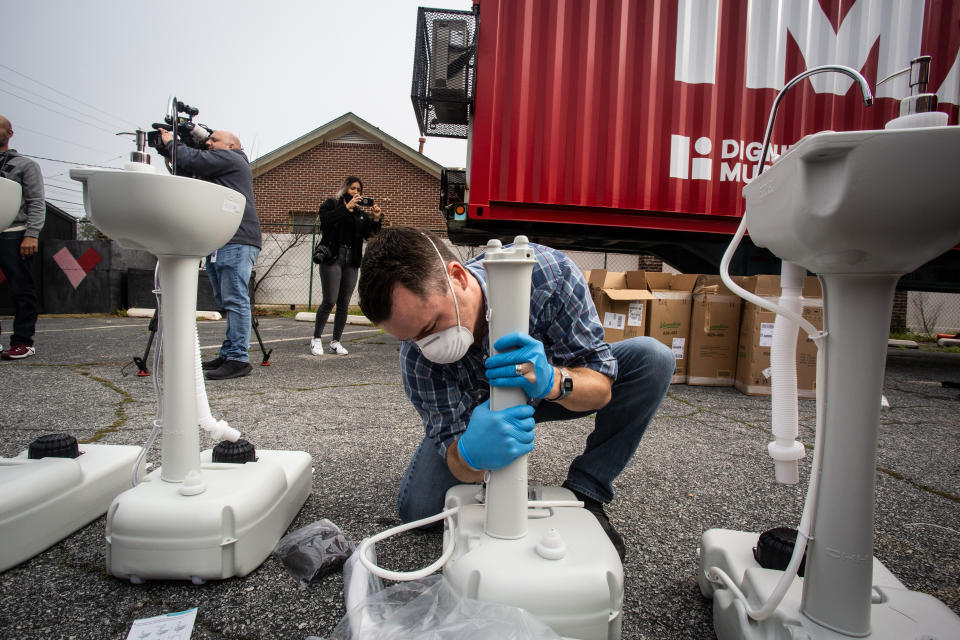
562	316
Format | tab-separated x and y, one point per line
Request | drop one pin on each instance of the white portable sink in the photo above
47	499
881	201
10	197
142	209
191	518
860	209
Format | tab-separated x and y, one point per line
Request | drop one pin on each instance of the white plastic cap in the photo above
193	484
552	546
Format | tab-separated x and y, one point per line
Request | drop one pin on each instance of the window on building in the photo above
303	221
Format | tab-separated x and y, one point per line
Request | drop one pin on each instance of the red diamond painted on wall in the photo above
77	269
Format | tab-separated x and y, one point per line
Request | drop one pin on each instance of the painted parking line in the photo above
253	343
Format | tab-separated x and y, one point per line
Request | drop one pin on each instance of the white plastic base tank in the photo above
43	501
579	594
155	532
896	613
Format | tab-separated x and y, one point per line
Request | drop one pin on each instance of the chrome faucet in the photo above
839	68
173	116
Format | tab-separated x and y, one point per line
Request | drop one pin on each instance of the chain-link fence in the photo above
286	275
931	313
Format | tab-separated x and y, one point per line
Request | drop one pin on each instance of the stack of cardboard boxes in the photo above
716	338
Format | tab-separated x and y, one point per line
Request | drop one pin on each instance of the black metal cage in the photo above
443	71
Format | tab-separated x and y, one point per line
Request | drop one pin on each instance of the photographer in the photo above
223	162
345	226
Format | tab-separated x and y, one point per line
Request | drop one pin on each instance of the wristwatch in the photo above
566	384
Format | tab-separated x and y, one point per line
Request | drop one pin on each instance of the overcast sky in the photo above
74	73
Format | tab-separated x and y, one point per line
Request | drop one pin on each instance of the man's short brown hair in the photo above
400	255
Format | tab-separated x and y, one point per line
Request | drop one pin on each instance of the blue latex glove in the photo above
494	439
518	348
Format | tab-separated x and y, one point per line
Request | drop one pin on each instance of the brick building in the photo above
291	182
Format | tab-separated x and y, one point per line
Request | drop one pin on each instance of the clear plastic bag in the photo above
427	609
314	551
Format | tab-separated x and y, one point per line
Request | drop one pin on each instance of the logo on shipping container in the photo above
849	38
737	161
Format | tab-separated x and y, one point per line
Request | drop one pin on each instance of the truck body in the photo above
633	125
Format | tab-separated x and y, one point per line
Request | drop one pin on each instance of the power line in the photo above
66	95
47	135
79	204
56	186
65	115
63	173
65	106
85	164
64	182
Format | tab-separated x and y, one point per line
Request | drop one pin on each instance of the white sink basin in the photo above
163	214
860	201
10	194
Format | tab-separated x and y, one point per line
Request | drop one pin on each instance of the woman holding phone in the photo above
345	226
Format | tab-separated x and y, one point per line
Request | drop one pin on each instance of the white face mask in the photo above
452	343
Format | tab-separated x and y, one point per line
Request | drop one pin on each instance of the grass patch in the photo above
284	311
909	335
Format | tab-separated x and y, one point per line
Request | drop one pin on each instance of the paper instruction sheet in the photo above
169	626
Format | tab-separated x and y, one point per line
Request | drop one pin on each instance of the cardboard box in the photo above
756	338
669	317
623	312
621	304
600	279
714	333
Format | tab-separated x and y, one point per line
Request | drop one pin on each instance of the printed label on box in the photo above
613	320
767	372
678	348
635	315
766	334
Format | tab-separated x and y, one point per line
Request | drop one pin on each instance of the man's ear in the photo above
458	274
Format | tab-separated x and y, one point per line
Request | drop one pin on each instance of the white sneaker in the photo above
337	348
316	347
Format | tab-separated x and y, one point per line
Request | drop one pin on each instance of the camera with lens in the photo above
193	134
366	202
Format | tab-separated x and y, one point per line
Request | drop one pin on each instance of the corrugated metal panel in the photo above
651	113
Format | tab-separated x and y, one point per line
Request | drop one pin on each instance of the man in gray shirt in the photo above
18	243
223	162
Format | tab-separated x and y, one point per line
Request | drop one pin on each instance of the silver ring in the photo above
518	368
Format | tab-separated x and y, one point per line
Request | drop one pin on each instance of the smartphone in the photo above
366	202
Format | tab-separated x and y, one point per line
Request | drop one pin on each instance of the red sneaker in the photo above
18	352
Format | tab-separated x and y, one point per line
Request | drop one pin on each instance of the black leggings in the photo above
337	281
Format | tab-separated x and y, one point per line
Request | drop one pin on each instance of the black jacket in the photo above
342	227
229	168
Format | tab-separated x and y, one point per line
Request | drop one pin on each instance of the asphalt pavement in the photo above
702	464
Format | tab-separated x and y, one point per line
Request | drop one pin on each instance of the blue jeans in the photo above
645	368
17	271
230	277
